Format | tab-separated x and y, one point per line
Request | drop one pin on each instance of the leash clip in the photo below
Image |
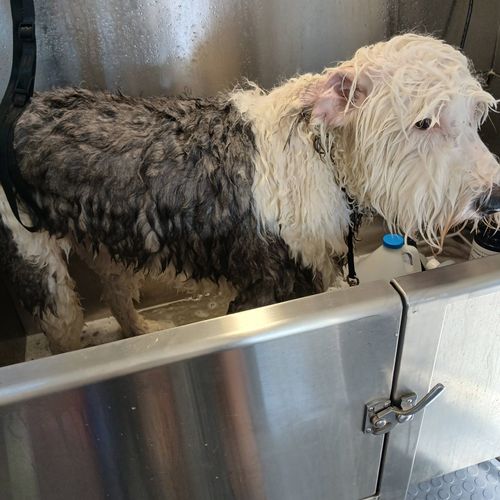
352	280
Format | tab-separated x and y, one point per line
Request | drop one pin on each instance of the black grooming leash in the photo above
354	223
352	279
17	95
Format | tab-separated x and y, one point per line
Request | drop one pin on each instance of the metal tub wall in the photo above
268	403
450	335
263	404
164	46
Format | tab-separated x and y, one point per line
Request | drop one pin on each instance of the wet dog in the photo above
254	187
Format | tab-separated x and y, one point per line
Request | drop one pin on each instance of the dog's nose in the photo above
489	203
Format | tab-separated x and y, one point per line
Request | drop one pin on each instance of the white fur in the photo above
121	287
62	326
296	194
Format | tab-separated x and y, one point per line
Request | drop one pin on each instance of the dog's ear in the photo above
332	99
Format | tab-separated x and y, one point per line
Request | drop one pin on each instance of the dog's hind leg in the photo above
35	267
62	321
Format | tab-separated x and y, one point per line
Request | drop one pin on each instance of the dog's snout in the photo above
489	203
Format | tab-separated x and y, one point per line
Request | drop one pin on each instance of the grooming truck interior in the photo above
389	389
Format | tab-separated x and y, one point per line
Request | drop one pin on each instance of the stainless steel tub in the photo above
268	403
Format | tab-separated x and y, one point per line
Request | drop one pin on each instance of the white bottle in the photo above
392	259
486	242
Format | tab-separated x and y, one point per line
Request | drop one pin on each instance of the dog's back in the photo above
140	175
138	184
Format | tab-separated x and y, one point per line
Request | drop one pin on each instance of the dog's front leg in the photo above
257	294
120	289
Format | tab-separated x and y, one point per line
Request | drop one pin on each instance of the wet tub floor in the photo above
160	317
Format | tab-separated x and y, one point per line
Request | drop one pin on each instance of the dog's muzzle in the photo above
490	203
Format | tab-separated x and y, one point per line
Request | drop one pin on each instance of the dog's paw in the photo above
150	326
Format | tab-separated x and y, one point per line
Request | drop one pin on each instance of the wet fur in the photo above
153	183
28	281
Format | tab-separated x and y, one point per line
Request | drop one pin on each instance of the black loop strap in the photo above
352	279
354	223
17	95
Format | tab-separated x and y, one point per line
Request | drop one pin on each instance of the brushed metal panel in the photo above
5	44
164	46
452	336
264	404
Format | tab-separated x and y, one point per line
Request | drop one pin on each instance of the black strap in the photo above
354	223
466	25
352	279
18	93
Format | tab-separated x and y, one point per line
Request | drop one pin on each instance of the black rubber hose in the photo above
466	25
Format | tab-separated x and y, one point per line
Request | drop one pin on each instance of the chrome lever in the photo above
426	400
381	415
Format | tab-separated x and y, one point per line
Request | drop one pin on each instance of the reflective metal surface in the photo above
266	404
164	46
451	336
263	404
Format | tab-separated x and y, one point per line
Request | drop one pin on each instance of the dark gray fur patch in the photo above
28	281
148	178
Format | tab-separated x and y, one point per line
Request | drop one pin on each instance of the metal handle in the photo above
426	400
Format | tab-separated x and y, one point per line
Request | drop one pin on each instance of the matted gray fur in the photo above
150	179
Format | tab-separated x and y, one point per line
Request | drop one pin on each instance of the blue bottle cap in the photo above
393	241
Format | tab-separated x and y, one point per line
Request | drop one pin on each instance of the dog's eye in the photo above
423	124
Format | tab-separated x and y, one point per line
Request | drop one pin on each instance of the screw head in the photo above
380	423
370	408
369	430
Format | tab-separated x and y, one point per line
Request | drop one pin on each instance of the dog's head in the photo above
404	116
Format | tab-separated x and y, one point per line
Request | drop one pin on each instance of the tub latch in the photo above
381	415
